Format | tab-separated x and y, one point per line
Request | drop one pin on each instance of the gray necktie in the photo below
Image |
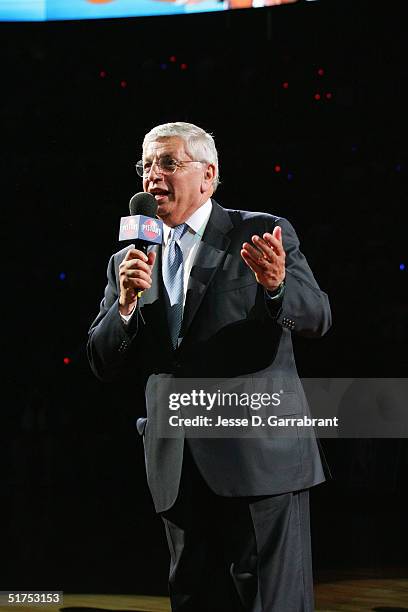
173	272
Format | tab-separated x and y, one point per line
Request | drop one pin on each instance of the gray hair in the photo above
200	144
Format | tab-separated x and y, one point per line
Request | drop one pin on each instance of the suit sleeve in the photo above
304	308
109	337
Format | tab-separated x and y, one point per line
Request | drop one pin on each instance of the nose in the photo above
155	171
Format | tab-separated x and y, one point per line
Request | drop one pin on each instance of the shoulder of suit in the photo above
248	216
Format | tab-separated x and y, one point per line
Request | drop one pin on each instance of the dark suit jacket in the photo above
229	329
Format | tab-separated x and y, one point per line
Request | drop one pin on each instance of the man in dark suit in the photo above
220	298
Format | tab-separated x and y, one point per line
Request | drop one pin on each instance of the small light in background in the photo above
67	360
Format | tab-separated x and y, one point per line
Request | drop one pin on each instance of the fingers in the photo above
268	275
136	265
266	258
135	271
142	279
263	253
151	258
137	260
256	268
277	232
254	257
131	278
262	256
274	240
135	254
268	249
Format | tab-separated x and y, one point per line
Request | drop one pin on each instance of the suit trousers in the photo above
238	554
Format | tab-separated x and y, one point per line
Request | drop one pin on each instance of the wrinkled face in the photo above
178	195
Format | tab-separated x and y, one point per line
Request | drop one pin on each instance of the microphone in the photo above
143	203
142	227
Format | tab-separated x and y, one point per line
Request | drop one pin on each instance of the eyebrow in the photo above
149	157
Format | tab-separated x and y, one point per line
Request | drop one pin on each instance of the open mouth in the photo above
160	194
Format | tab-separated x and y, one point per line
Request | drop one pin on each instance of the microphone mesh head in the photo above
143	204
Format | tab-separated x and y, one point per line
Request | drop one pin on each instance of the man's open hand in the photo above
266	258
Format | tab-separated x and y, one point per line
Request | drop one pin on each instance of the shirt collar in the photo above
196	222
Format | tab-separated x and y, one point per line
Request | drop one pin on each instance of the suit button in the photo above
177	365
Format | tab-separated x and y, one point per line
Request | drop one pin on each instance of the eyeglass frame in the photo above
178	164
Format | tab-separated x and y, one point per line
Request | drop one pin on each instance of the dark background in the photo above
77	98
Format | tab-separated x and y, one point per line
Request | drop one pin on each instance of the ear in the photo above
208	177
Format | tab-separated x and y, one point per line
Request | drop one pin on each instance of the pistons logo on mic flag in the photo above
128	228
140	227
151	229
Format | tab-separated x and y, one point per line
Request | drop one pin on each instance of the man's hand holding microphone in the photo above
135	275
144	229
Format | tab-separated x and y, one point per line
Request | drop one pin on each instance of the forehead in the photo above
173	146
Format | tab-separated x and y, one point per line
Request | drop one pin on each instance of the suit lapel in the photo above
210	254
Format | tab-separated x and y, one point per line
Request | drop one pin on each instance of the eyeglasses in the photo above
165	166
